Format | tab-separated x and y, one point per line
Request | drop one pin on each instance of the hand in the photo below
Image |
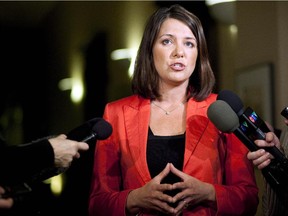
261	158
66	150
151	196
193	191
286	121
5	203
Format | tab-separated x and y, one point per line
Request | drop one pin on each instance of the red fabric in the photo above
211	156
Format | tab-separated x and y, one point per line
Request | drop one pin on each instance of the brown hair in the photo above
145	81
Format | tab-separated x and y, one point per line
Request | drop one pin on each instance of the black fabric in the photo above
19	163
162	150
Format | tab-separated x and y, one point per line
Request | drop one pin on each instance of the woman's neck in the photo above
170	94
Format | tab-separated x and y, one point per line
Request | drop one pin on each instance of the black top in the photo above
162	150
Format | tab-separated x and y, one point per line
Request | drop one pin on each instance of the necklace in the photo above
167	112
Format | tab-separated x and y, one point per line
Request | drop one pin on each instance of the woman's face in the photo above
175	52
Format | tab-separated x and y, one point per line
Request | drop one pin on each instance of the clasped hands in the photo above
151	197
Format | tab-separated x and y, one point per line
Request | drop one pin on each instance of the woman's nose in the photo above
178	52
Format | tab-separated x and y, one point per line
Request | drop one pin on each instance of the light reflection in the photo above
75	82
56	184
126	54
213	2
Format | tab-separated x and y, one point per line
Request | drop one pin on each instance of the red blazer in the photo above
220	159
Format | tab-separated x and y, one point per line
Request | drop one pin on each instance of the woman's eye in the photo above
189	44
166	41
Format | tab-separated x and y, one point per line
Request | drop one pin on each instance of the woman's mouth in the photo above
177	66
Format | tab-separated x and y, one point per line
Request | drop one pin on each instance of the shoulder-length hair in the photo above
145	81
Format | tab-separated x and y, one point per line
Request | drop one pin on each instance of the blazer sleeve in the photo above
106	195
239	193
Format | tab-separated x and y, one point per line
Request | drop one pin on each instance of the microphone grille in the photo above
103	129
231	99
222	116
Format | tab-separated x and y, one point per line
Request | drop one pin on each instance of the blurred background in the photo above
62	61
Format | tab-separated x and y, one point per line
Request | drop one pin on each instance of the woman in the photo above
164	155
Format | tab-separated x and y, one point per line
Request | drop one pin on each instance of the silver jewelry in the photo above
167	112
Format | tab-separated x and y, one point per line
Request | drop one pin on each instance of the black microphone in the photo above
226	120
236	104
251	122
100	131
96	128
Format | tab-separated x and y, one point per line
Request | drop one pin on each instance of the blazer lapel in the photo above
197	122
136	116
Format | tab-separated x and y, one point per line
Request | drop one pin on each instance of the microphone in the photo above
250	121
236	104
96	128
226	120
